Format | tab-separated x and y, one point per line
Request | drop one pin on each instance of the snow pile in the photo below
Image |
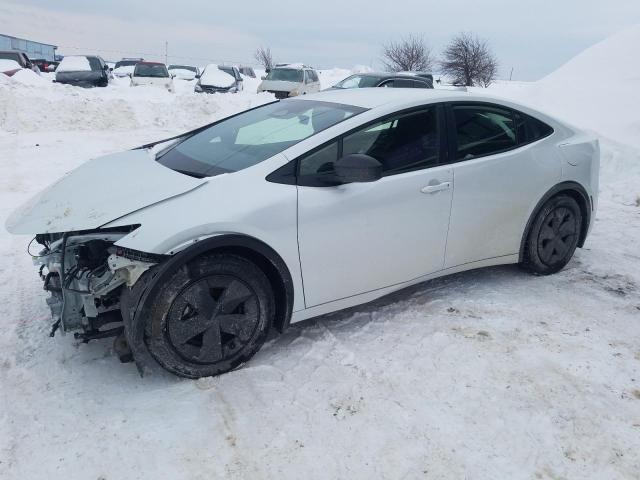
116	107
598	90
74	63
30	78
215	77
329	77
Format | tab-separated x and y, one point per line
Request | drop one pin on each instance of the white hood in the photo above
98	192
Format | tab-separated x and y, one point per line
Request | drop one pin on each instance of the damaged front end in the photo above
88	277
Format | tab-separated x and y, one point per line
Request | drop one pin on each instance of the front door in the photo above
359	237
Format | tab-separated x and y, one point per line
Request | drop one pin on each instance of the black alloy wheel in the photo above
557	235
213	318
553	236
209	316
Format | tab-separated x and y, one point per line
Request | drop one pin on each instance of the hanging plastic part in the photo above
54	328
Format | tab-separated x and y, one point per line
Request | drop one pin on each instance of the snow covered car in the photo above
219	79
191	249
152	73
124	68
12	61
183	72
290	80
83	71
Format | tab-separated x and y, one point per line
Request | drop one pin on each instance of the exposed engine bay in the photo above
86	275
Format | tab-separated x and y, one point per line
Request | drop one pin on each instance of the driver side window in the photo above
401	143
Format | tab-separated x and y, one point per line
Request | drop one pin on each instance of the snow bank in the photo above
116	107
598	90
30	78
329	77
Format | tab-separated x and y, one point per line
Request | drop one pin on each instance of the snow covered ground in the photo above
490	374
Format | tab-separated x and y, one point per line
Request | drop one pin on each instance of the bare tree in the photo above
263	57
409	54
469	61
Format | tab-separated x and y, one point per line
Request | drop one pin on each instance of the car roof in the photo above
383	75
150	63
376	97
294	66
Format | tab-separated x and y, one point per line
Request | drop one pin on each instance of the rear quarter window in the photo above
531	129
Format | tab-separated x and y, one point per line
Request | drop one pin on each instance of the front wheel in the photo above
553	236
210	316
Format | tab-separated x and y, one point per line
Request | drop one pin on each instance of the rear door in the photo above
498	176
359	237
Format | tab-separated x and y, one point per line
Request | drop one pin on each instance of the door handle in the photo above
436	188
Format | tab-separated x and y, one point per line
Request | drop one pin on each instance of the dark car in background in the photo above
124	68
18	57
387	79
83	71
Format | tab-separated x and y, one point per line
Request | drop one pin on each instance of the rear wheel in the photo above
553	236
211	316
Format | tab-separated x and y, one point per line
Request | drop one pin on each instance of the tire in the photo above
209	316
553	236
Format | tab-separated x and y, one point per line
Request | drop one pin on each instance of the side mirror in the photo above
358	168
130	75
198	75
263	77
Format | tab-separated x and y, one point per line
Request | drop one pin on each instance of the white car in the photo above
183	72
152	73
195	247
290	80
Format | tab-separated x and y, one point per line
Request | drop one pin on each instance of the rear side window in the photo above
482	130
421	84
96	66
530	129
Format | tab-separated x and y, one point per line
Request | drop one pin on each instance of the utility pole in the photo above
511	74
166	52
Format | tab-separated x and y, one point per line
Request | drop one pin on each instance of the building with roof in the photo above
34	50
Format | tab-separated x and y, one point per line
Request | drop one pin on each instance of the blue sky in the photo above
533	37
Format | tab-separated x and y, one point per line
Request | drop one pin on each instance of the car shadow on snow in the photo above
446	292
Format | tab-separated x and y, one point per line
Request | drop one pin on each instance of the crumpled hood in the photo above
100	191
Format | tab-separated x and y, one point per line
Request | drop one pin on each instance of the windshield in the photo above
126	63
183	67
358	81
9	56
285	75
253	136
150	70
